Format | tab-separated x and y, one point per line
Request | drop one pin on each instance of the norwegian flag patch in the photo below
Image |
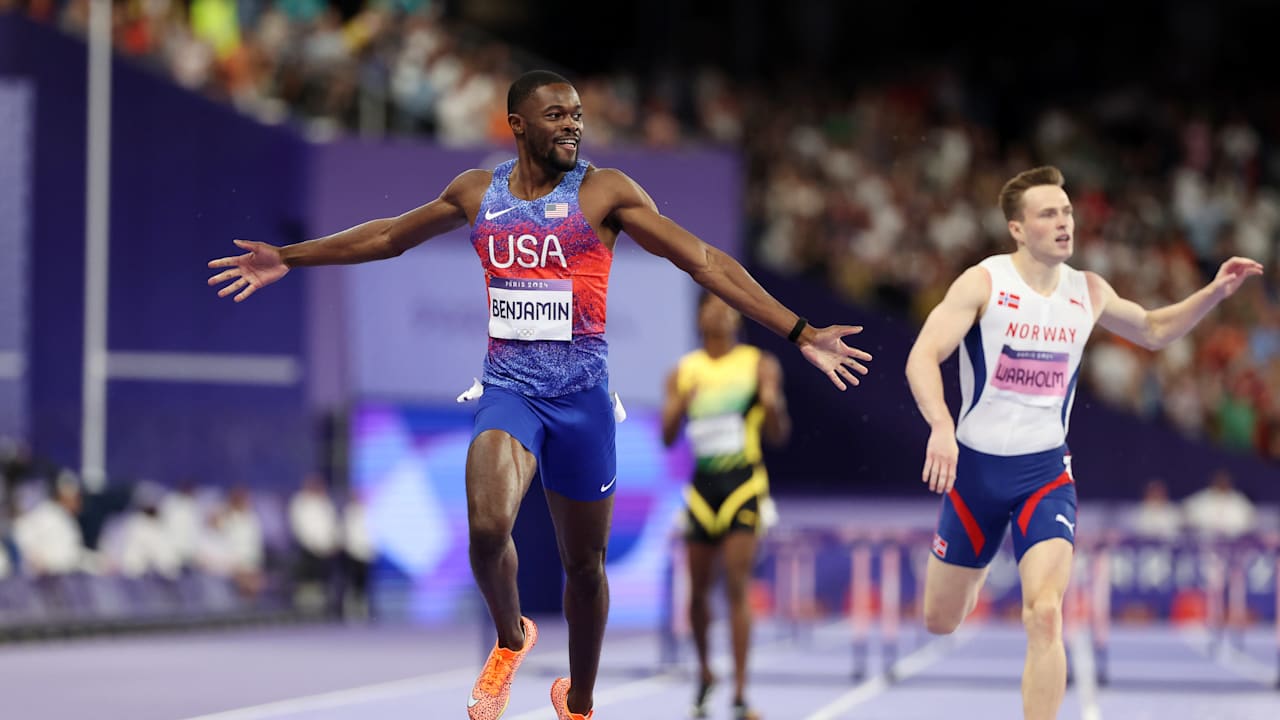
939	546
1008	299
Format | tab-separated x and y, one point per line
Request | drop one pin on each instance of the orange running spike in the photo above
560	701
492	691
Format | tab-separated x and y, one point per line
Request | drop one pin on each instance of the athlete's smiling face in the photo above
1047	227
551	122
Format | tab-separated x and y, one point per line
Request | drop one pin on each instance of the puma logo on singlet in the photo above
1070	525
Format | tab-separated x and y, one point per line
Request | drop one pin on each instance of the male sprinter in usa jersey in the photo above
1023	319
544	227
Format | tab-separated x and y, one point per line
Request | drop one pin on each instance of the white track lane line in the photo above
908	666
350	696
1085	665
415	685
1226	656
410	686
629	691
657	683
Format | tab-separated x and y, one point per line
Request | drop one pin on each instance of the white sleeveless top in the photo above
1020	361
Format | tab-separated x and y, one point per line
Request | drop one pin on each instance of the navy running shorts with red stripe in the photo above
1035	493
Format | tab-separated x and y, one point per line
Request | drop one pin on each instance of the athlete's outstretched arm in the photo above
1155	329
945	327
674	407
777	422
635	213
378	239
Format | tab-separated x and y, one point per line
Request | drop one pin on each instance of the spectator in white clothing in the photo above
313	523
313	519
180	515
358	554
1220	510
214	554
146	547
47	535
1156	517
242	531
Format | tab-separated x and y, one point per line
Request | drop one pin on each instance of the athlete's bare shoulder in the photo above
769	364
605	191
615	185
467	190
1100	292
470	182
970	291
600	174
977	276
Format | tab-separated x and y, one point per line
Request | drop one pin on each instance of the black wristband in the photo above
799	328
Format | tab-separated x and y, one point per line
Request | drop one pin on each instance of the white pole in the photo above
93	430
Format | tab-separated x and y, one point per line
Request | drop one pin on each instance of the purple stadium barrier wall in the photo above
188	175
17	126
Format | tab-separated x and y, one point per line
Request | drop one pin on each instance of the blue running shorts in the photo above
571	436
1035	493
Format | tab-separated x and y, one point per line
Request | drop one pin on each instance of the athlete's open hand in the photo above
257	268
1233	273
827	352
940	460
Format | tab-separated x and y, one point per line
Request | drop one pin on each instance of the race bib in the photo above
529	309
1033	373
717	435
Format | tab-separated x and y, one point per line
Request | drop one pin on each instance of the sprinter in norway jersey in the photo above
1020	360
544	227
1021	322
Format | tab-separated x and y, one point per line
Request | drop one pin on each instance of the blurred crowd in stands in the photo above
891	195
1217	510
304	554
886	190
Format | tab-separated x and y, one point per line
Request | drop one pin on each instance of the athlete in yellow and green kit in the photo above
728	395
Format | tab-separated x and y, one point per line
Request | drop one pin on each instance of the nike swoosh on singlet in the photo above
605	488
489	215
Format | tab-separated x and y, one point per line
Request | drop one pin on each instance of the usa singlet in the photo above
724	420
545	375
548	278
